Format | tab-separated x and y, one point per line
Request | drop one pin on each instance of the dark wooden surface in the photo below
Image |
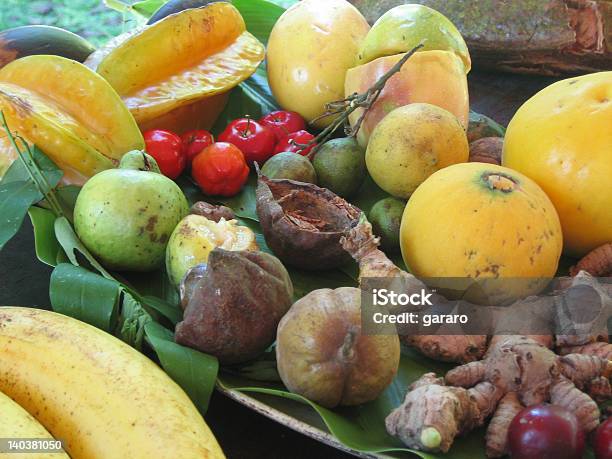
241	432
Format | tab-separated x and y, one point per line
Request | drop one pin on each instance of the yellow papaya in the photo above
72	114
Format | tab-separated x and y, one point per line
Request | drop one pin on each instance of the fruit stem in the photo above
345	107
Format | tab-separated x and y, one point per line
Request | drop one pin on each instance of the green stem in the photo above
33	169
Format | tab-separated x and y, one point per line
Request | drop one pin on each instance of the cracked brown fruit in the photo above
323	355
303	223
233	305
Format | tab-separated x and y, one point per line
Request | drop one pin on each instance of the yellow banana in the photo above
101	397
17	423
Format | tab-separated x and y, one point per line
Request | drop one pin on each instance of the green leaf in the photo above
18	173
148	7
79	293
72	245
362	428
18	192
172	313
194	371
15	200
133	319
259	16
46	245
244	203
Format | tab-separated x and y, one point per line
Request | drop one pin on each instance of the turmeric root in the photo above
433	414
597	263
496	437
582	368
449	348
564	393
599	349
600	389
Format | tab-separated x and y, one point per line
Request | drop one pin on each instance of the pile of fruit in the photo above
181	220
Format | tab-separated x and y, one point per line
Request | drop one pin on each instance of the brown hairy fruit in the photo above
598	262
303	223
212	212
234	307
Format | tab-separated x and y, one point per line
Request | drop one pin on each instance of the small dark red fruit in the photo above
254	140
602	442
283	122
196	141
295	143
545	432
167	149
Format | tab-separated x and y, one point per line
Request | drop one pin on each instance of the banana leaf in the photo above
532	36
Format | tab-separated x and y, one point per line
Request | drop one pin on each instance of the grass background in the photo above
89	18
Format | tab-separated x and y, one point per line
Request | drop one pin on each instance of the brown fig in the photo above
323	355
234	305
303	223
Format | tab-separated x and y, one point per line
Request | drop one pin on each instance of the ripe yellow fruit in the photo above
17	423
477	220
311	47
104	399
411	143
562	139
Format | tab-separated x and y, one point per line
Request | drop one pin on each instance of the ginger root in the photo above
433	414
597	262
517	371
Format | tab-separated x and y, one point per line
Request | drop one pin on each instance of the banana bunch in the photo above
101	397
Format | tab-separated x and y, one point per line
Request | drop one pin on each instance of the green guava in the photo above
125	216
290	166
139	161
386	218
340	166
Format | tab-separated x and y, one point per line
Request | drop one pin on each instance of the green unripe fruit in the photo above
340	166
125	216
290	166
386	218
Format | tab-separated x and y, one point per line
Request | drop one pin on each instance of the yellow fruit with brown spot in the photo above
311	47
562	139
411	143
477	220
104	399
17	423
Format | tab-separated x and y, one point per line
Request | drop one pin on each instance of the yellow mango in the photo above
562	139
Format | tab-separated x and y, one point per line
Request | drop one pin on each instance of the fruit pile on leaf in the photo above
223	214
